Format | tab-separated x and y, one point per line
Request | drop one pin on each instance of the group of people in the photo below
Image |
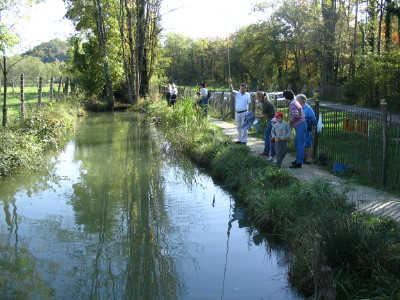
301	118
202	96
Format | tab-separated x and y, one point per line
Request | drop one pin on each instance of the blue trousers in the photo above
299	141
267	133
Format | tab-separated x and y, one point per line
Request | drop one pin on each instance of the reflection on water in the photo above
118	215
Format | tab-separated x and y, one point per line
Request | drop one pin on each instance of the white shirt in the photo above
203	92
241	101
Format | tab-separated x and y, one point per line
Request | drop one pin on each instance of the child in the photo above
272	151
281	131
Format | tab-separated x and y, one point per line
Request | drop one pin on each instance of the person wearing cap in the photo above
297	121
242	100
311	122
268	112
280	132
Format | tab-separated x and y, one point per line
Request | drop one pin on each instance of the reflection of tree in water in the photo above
18	276
120	200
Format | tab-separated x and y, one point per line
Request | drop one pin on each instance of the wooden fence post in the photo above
40	90
232	105
51	89
66	87
384	141
59	88
22	97
328	289
317	266
5	108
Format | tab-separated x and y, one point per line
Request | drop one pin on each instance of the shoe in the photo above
263	154
238	142
243	143
295	166
307	162
294	162
270	158
275	161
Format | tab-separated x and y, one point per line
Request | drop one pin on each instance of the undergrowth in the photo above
22	143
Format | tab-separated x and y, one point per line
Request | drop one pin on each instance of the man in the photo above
297	121
242	100
311	122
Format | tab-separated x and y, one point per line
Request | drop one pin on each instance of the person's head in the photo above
273	120
203	84
302	99
260	96
279	116
243	88
288	95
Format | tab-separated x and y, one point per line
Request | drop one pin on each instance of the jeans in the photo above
267	133
299	141
204	105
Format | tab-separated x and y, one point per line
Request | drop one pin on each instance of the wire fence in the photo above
24	93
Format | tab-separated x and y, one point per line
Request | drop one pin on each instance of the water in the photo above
118	215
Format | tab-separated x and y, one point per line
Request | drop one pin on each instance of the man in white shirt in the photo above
242	100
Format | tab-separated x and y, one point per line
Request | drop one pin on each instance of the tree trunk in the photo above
101	31
329	15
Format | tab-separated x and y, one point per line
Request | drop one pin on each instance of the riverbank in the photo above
361	248
364	198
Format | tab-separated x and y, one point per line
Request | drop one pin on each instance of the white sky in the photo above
207	18
193	18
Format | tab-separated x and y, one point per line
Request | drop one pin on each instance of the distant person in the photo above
311	121
204	98
268	112
173	91
168	93
242	100
297	121
280	132
272	151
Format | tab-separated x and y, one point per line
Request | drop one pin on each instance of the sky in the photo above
193	18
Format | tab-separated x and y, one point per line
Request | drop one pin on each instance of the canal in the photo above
117	214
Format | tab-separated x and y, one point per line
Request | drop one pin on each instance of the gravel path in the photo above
364	198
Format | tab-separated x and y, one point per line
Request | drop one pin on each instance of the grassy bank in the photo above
22	142
362	250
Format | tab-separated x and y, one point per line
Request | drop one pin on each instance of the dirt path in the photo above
363	197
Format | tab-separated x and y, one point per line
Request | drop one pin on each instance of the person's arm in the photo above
313	118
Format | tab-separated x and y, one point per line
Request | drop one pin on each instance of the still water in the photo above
118	215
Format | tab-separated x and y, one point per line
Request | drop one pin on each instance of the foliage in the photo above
32	68
55	50
21	146
10	10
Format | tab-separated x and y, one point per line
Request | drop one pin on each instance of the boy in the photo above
281	131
